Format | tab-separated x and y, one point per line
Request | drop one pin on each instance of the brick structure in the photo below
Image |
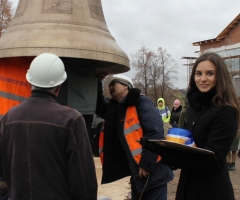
230	36
227	45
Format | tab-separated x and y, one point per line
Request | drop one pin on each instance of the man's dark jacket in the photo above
175	115
45	152
118	161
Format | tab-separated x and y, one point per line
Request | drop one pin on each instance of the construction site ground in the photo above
119	190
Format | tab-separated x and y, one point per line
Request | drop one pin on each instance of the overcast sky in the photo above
171	24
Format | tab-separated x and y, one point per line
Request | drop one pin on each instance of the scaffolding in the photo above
233	65
190	62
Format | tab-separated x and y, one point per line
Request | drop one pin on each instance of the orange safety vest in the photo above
14	87
132	131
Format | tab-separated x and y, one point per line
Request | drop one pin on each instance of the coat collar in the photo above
198	99
178	109
43	95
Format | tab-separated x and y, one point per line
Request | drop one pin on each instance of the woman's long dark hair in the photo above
225	91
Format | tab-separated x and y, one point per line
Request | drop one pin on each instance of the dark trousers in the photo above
157	193
88	120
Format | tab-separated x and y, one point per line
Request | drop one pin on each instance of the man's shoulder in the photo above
15	108
68	110
144	99
145	102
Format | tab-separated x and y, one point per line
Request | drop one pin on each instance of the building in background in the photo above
227	45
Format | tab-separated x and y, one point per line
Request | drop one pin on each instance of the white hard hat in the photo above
46	71
118	78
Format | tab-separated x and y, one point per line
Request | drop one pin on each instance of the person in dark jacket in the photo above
45	150
128	115
175	114
232	154
212	117
183	114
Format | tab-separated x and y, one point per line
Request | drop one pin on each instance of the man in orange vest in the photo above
128	117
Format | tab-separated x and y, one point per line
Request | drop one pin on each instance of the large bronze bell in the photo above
74	29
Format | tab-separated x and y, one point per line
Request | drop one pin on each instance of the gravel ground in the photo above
119	190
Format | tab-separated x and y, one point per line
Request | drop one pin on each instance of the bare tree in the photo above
142	62
6	15
168	70
155	72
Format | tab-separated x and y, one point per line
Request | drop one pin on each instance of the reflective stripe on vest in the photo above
132	131
12	96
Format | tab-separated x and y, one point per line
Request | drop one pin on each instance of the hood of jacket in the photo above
163	106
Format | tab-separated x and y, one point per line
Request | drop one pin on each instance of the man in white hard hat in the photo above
45	150
128	117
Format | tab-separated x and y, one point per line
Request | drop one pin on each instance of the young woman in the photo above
212	117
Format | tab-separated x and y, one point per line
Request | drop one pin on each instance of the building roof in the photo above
185	57
223	34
